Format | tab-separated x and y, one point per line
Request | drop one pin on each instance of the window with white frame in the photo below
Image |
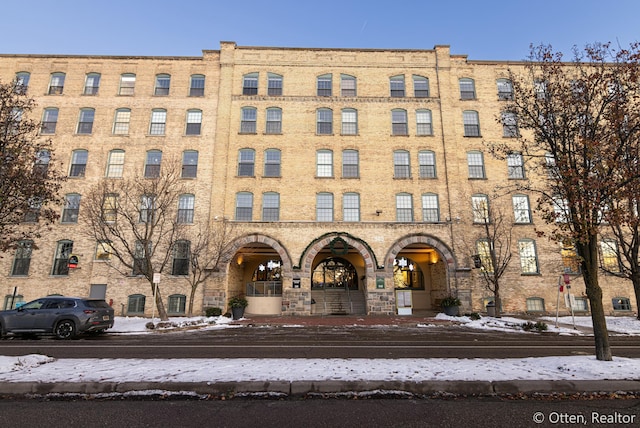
158	122
609	257
104	250
41	165
92	84
471	123
49	121
483	250
274	121
152	164
515	166
270	206
22	82
147	208
115	164
349	121
560	209
401	164
528	257
427	163
246	163
189	164
248	120
475	163
64	249
250	84
121	121
505	89
127	84
521	209
196	87
181	255
404	207
324	84
272	163
244	206
194	122
570	260
350	164
430	208
56	84
324	121
135	304
324	206
621	304
535	304
78	163
324	163
85	121
139	257
399	122
396	86
467	89
509	124
176	304
347	85
351	207
480	208
163	83
109	207
186	205
22	258
71	208
420	87
274	85
423	122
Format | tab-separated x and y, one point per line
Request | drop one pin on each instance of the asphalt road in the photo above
320	342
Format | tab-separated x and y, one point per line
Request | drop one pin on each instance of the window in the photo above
515	165
110	207
181	254
471	123
22	258
71	208
274	121
621	304
139	257
92	84
401	166
270	206
579	304
78	163
33	213
22	82
196	88
505	89
483	249
147	208
349	121
41	165
480	208
467	89
399	122
609	255
423	122
250	84
509	124
127	84
194	122
541	89
135	304
420	87
324	121
535	304
430	208
396	85
475	163
351	207
350	164
121	121
552	168
528	258
158	122
324	85
56	84
560	209
115	164
64	249
103	250
347	85
248	120
324	206
274	84
49	121
324	163
176	304
246	162
163	82
85	121
152	164
521	210
570	261
404	207
272	163
189	164
427	162
244	206
186	205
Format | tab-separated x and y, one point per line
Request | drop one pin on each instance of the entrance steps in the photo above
338	302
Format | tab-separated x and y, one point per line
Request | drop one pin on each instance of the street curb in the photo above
323	387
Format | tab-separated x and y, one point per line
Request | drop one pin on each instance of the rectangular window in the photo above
350	164
78	163
152	164
521	210
244	206
535	304
176	304
109	207
181	252
194	122
61	261
609	255
475	163
570	261
272	163
248	121
480	208
158	122
324	85
103	250
423	122
196	89
71	208
324	122
351	207
399	122
427	162
621	304
49	121
505	89
274	121
347	86
430	208
349	122
483	249
324	207
186	204
85	121
121	121
404	208
324	163
467	89
189	164
471	123
115	164
22	259
270	206
163	82
250	84
396	84
401	166
56	85
420	87
139	258
274	85
528	258
147	208
127	84
509	124
246	163
92	84
515	166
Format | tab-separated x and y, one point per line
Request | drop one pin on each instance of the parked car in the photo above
65	317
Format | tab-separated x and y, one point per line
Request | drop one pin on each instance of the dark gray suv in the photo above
64	317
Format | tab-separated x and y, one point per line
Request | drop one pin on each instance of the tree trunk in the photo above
496	299
162	312
191	298
635	279
589	253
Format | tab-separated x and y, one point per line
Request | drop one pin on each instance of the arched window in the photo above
336	273
407	274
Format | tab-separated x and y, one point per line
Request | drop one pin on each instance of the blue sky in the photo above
481	29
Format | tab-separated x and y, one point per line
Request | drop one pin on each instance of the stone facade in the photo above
300	149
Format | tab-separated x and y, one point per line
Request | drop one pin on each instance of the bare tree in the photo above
580	116
209	247
29	183
136	221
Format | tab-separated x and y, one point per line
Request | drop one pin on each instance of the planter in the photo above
452	310
237	313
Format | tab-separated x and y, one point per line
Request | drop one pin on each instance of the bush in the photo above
474	316
213	312
539	326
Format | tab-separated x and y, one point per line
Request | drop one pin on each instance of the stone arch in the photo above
420	238
316	246
245	240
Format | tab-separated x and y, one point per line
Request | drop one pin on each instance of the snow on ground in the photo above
41	368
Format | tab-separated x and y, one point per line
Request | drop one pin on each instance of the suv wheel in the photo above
65	329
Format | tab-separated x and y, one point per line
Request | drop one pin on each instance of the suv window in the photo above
96	304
